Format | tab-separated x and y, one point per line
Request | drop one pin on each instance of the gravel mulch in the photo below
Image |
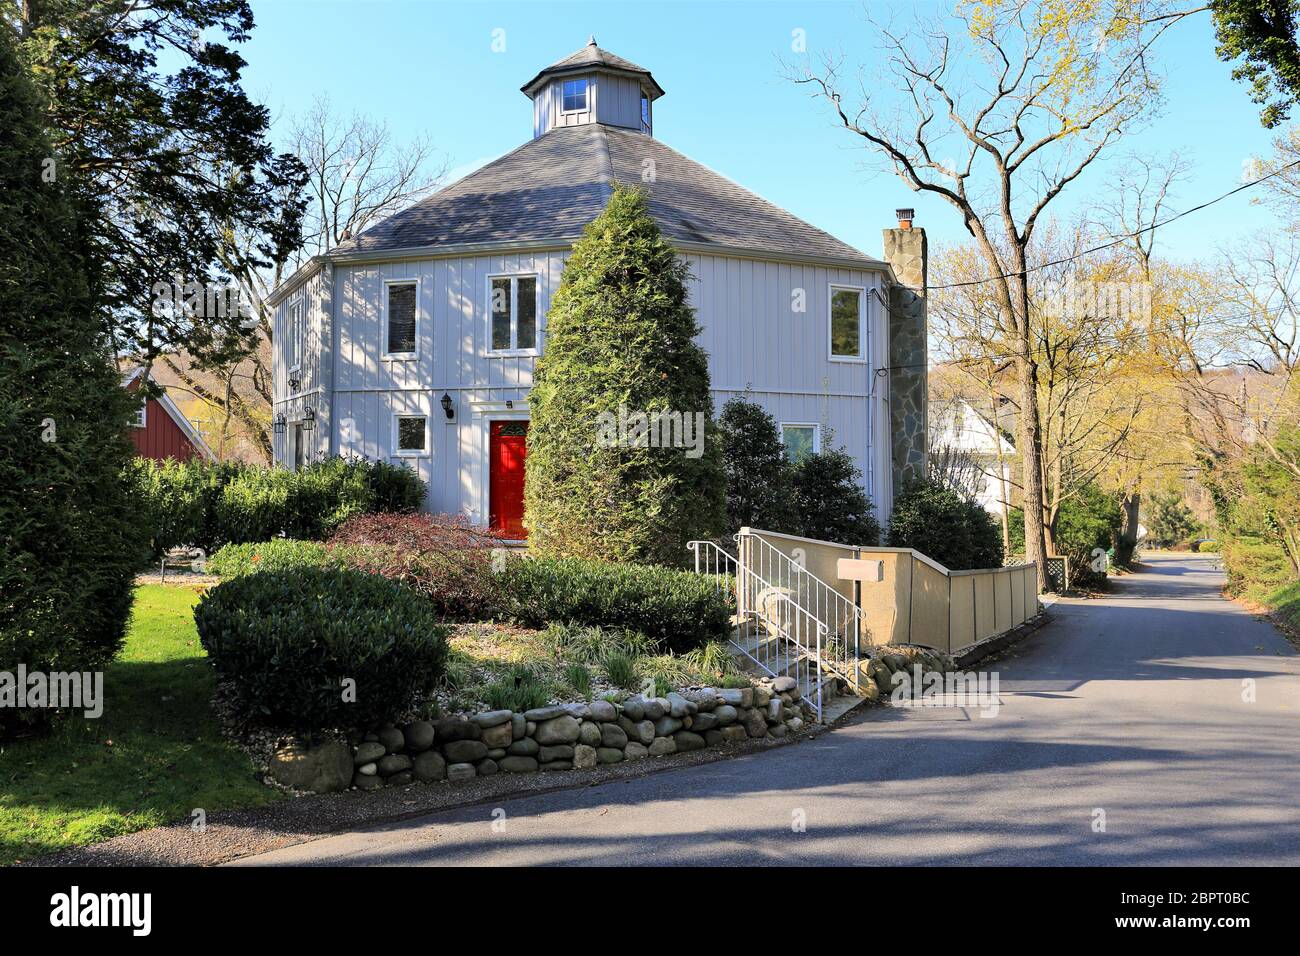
238	833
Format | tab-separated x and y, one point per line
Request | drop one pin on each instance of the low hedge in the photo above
278	554
678	610
289	640
210	504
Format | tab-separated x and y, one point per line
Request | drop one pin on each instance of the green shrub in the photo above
829	502
941	524
1256	565
289	640
758	476
278	554
209	504
677	610
70	542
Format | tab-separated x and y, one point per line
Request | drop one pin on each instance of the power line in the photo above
1116	240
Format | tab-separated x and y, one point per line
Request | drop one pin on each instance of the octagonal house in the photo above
415	341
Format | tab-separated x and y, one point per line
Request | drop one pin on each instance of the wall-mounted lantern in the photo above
309	419
448	407
280	426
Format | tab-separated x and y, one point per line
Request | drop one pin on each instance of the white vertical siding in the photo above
758	344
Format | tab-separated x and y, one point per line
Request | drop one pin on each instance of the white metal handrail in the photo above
783	621
841	617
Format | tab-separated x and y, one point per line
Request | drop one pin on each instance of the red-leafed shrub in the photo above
442	557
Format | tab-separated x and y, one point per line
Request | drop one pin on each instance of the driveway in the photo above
1123	738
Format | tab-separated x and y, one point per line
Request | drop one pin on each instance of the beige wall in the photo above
919	601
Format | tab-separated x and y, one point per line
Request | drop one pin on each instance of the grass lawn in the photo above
153	757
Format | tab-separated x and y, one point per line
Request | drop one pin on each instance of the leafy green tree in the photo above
146	117
829	502
1261	34
758	476
1171	520
70	545
620	345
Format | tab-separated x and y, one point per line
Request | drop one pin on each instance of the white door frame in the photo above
483	414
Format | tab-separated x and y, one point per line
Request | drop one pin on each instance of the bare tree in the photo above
358	175
1024	96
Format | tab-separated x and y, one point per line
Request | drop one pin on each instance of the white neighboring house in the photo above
958	425
415	341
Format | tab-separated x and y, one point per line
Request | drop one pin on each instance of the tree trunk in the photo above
1132	505
1035	540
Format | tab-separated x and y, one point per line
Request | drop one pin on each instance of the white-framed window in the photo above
800	439
293	335
512	314
401	319
141	414
411	435
574	96
645	113
848	323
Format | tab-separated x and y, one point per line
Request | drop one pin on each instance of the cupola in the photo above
593	86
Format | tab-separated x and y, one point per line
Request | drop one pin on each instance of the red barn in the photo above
160	430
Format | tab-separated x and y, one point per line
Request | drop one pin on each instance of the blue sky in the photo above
427	66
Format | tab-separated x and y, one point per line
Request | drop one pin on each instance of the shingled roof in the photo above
552	186
592	56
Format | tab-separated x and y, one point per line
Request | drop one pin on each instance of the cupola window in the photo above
575	95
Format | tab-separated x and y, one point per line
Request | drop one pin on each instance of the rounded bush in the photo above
943	525
290	641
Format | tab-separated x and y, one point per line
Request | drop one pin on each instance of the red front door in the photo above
509	448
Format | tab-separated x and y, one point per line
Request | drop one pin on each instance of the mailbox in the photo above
866	570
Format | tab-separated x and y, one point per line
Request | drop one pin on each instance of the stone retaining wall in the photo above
557	737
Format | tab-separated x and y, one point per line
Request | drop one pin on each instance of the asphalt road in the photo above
1131	705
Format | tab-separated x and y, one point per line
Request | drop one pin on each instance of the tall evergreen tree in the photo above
620	344
69	546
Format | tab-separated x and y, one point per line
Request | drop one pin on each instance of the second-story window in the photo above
401	320
514	314
846	324
645	113
575	96
293	346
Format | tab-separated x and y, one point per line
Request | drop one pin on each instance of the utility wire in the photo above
1116	240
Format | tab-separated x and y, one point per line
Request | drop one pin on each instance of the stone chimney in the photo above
907	253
